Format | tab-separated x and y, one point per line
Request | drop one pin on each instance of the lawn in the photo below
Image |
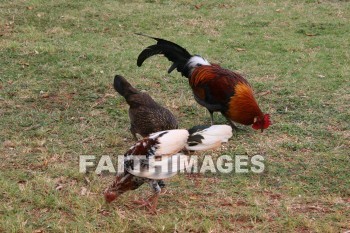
57	63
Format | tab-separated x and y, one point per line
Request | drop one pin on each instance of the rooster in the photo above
215	88
146	115
167	145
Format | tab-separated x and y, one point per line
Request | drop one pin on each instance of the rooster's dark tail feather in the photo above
175	53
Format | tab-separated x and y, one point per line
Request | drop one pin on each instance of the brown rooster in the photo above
216	88
146	115
165	145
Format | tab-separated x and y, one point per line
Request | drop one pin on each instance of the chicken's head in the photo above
261	122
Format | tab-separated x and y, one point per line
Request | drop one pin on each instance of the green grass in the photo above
58	59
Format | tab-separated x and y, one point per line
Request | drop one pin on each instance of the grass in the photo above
58	59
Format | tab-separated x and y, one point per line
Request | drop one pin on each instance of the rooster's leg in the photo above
211	117
232	124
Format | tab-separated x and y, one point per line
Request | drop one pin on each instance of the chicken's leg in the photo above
133	132
211	117
150	203
232	124
153	200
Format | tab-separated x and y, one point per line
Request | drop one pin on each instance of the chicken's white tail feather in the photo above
212	138
224	132
167	167
204	146
171	142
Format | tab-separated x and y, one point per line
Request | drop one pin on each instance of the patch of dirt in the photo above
311	208
51	100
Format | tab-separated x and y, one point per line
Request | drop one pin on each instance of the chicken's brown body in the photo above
146	115
216	88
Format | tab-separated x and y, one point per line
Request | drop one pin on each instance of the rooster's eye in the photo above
199	64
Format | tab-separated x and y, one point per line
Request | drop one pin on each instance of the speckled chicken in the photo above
146	115
165	146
